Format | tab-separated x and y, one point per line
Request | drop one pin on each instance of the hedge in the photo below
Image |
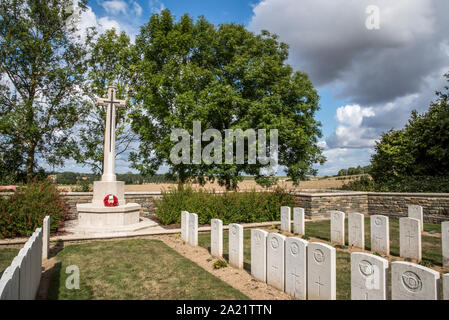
401	184
24	211
231	207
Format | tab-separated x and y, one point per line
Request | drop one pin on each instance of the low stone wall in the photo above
435	205
315	204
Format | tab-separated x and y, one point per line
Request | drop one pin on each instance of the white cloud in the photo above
349	132
341	158
107	23
115	6
137	8
353	114
156	6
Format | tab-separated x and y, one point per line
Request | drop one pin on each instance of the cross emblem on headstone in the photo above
296	276
274	269
410	237
319	286
377	240
109	135
355	228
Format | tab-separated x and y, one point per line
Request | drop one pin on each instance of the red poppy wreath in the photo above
110	201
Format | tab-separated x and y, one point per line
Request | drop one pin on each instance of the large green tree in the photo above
42	70
227	78
110	62
419	149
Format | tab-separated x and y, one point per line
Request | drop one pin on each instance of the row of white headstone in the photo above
410	230
20	281
307	270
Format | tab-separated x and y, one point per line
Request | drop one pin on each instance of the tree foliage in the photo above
419	149
110	63
42	68
227	78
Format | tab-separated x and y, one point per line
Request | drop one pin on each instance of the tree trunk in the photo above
30	164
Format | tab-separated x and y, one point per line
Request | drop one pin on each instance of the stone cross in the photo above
109	134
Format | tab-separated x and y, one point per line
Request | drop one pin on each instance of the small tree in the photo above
41	71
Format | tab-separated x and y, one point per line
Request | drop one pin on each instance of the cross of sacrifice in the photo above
109	134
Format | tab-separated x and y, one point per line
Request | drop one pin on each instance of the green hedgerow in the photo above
231	207
25	210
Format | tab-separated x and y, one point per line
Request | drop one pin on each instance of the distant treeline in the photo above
352	171
128	178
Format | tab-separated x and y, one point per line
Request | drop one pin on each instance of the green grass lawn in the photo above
431	248
6	256
135	269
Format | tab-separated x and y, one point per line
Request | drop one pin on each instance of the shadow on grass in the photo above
54	276
55	249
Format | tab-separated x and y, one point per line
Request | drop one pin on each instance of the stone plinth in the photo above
103	188
90	215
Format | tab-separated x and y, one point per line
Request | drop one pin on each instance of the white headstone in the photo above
216	237
259	254
369	274
286	221
380	234
410	281
338	227
46	237
15	284
185	226
296	267
445	242
321	272
6	284
236	245
24	273
416	212
275	260
410	238
31	266
446	286
356	230
193	229
298	221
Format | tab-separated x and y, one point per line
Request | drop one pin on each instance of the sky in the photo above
369	79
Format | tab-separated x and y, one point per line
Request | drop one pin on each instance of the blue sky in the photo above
369	80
